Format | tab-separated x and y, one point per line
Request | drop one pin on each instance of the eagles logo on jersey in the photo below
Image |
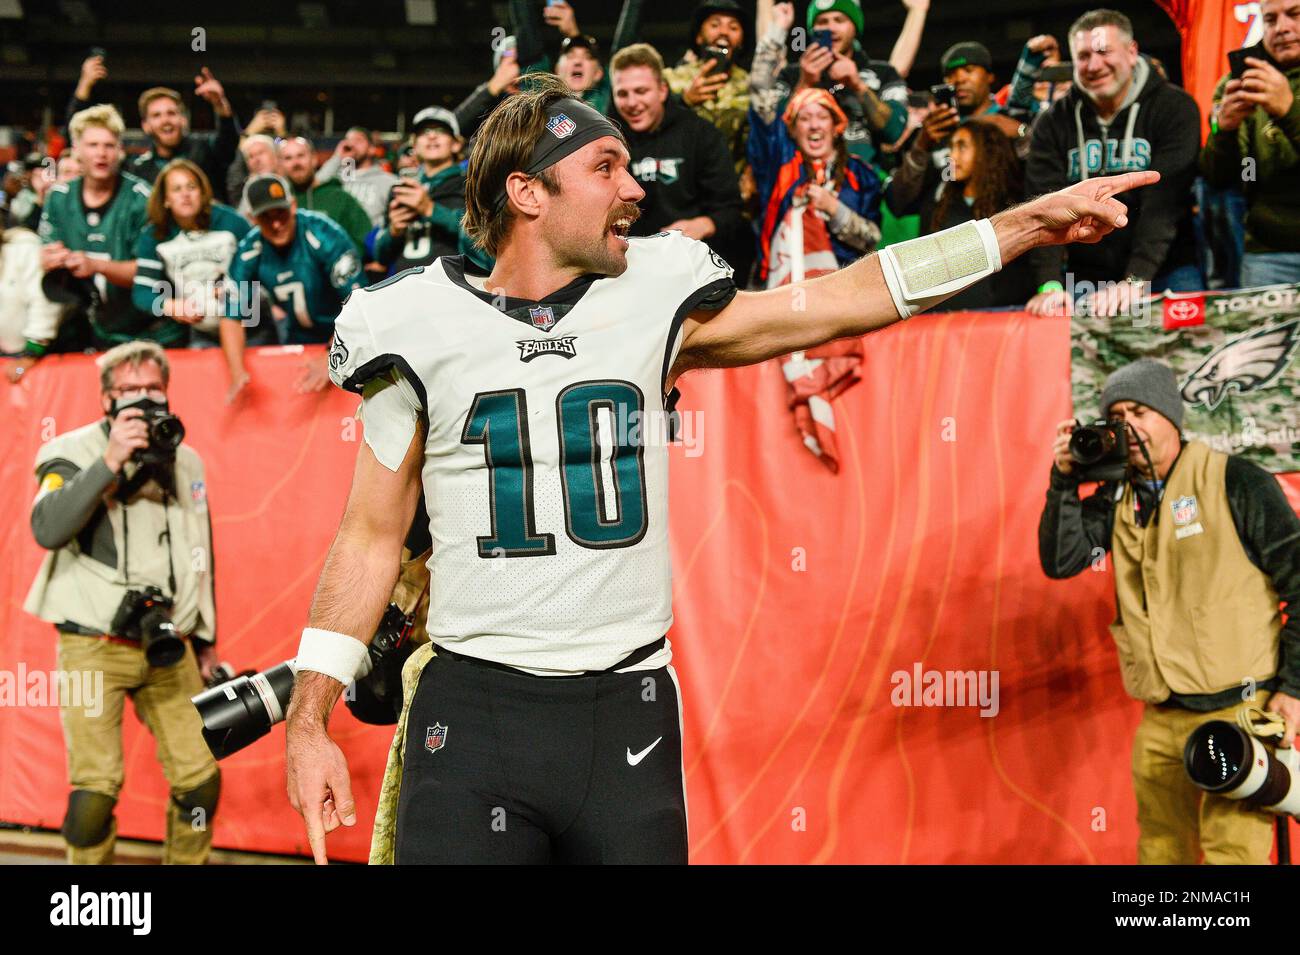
546	480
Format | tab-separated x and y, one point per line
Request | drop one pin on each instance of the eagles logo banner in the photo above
1233	354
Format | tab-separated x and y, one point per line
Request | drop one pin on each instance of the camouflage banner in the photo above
1232	354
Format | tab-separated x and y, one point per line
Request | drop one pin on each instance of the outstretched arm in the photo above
757	326
355	585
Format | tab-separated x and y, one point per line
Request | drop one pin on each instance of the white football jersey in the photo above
545	462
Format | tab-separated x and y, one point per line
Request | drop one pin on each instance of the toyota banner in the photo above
1232	353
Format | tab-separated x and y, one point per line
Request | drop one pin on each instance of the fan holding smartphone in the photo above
1255	127
870	92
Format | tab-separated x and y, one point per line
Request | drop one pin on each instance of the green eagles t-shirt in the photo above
108	233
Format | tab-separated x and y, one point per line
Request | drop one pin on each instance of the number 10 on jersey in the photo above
604	502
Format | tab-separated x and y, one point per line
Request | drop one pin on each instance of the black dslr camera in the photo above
1100	450
165	430
146	615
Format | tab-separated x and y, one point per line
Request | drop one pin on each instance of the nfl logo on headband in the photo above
561	126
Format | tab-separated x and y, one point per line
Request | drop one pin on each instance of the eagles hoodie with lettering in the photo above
684	165
1157	127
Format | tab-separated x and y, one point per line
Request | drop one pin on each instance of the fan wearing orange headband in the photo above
819	205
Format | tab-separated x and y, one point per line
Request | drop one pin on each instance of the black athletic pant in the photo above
501	766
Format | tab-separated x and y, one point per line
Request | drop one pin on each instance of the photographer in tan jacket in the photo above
1204	546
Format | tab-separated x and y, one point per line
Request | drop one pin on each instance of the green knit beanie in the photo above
850	8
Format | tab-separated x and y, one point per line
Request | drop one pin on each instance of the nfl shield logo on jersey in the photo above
435	737
542	317
561	126
1184	510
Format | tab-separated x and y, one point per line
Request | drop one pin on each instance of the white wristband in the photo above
336	655
923	272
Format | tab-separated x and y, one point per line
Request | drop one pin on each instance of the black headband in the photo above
570	125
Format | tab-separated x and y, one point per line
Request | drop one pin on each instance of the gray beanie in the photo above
1148	382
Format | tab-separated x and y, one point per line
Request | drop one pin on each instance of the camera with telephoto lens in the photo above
241	711
1100	450
146	615
1224	759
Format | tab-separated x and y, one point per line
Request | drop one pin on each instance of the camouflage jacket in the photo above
728	111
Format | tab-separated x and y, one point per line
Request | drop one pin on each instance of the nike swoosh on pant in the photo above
633	760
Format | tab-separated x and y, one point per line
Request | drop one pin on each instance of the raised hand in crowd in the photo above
845	72
1234	107
400	217
506	77
783	16
92	71
208	87
414	196
561	16
268	121
937	125
1265	85
705	86
814	62
1045	43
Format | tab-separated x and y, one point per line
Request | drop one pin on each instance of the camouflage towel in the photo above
1232	354
382	841
729	110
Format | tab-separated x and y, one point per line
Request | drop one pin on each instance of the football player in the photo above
546	727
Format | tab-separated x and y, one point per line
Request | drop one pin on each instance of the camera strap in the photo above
1258	723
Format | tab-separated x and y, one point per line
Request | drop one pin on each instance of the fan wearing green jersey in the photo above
183	255
89	229
305	262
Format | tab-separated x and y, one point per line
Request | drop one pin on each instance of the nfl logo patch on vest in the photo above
1185	517
435	737
1184	510
561	126
542	317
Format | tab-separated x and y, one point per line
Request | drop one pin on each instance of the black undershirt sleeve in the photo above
1270	533
1071	530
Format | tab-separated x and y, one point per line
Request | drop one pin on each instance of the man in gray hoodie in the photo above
1120	115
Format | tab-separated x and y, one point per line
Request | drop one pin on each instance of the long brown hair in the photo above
997	174
161	216
504	145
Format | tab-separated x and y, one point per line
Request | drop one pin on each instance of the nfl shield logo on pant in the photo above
435	737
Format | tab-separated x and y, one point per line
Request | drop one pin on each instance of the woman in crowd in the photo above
183	253
819	205
984	177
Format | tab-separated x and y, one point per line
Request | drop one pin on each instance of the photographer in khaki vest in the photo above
122	510
1204	546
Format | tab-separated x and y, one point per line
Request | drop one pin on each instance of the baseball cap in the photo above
267	191
435	115
968	53
582	39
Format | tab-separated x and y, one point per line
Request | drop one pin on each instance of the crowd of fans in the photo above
787	146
